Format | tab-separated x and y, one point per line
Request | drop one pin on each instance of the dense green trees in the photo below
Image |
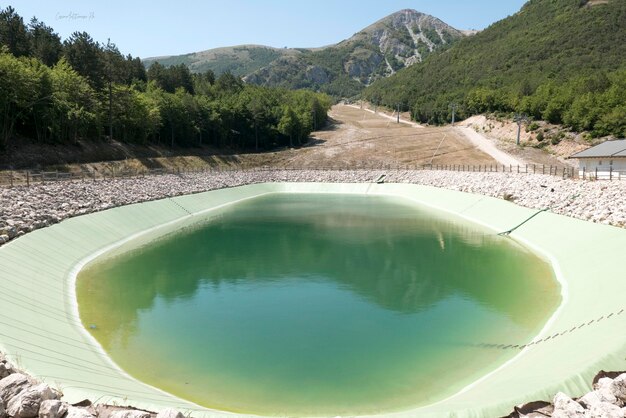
558	60
57	92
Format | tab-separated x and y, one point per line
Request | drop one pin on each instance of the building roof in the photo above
615	148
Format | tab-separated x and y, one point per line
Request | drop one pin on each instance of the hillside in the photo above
239	60
395	42
563	61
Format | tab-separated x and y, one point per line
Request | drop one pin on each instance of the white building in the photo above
606	161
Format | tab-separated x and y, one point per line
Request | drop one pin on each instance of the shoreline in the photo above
535	190
25	209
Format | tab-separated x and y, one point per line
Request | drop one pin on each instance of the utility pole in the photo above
110	90
398	113
453	106
520	118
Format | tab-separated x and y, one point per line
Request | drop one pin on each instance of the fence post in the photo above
11	177
611	173
596	173
27	178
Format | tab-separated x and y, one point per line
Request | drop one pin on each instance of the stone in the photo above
566	407
604	389
130	414
590	399
26	404
170	413
618	387
3	412
52	408
6	369
604	410
76	412
13	385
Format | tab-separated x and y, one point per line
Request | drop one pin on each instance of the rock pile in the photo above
21	396
24	209
607	400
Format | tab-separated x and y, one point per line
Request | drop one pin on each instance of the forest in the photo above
563	61
63	92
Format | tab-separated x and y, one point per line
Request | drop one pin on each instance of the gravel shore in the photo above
24	209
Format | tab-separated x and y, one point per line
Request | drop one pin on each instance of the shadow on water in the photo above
407	264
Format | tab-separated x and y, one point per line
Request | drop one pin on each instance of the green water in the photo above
317	305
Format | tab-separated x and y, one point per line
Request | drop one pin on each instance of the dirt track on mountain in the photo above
354	138
359	138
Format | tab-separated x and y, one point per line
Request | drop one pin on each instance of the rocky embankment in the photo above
607	400
22	396
24	209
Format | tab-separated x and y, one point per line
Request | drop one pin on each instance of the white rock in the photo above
26	404
170	413
604	410
75	412
619	387
13	385
52	408
590	399
5	368
604	389
566	407
130	414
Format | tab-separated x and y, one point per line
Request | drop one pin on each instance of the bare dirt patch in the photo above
361	138
545	144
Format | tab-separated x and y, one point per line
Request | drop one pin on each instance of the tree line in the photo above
62	92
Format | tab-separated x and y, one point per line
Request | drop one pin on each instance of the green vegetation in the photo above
556	60
239	60
433	36
341	70
55	92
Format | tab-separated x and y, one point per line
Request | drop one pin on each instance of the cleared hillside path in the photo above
390	117
361	138
478	140
487	146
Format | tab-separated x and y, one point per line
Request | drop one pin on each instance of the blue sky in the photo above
152	28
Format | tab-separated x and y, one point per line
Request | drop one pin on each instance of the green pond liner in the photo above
40	330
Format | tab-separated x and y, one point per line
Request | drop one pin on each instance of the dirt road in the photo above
360	138
355	138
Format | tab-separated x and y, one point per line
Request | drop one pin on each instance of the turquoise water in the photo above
317	305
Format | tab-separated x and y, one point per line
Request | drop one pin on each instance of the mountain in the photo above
559	60
395	42
239	60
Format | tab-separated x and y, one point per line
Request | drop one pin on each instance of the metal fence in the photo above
30	177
